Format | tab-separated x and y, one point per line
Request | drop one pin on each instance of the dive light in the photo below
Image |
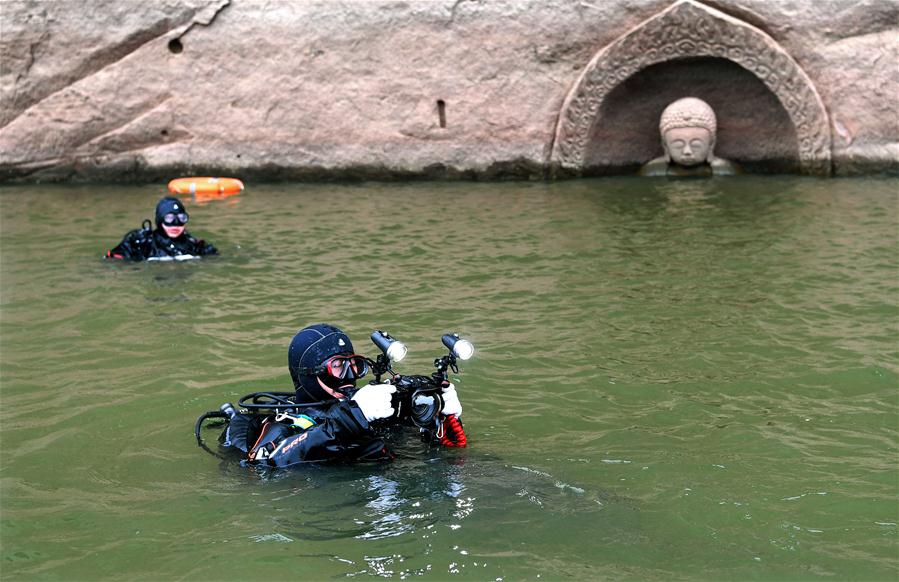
392	348
461	348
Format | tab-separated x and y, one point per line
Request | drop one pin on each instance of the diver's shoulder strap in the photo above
269	438
135	245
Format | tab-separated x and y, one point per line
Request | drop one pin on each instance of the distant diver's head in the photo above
171	216
322	363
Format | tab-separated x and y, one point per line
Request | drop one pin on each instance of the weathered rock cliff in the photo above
104	89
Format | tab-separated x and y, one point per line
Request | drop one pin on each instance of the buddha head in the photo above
688	132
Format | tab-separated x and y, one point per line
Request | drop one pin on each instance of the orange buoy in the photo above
206	186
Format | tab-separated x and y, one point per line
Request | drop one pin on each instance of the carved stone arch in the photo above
689	29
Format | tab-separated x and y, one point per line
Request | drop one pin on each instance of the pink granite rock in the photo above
100	89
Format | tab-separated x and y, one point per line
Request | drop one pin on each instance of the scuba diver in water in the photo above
170	241
332	419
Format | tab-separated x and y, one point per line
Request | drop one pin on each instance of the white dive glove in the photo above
374	400
451	404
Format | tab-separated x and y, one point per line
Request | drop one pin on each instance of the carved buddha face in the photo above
688	146
688	129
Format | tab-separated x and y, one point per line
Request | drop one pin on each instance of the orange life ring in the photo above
206	186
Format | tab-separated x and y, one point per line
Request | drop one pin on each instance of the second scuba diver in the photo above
169	241
334	419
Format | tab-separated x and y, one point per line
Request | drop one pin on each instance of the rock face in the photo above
103	89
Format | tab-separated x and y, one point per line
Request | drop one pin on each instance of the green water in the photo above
691	380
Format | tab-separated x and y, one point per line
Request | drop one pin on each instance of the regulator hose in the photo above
203	417
257	401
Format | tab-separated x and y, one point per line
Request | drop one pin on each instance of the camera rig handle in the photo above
380	366
442	364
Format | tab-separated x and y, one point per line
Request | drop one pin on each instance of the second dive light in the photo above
462	348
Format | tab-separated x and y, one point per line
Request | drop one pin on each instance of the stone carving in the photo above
690	29
688	128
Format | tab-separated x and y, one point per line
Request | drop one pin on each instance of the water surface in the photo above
675	380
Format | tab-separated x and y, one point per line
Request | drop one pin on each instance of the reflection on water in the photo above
674	379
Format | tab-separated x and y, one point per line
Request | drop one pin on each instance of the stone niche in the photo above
752	125
770	117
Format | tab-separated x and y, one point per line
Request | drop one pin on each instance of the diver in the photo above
170	241
334	421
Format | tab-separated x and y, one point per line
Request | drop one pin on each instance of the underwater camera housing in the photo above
419	398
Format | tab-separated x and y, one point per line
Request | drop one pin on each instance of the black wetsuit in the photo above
144	244
340	433
320	427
